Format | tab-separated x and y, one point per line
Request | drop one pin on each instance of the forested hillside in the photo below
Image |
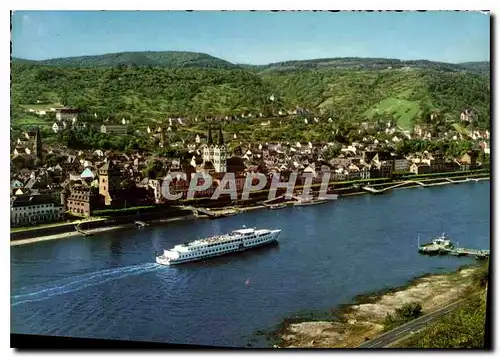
170	59
179	59
402	94
151	94
372	64
146	93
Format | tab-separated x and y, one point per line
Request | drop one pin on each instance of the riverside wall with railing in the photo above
126	218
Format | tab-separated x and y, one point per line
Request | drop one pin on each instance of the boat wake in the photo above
44	292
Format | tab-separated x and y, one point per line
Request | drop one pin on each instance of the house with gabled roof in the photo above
87	174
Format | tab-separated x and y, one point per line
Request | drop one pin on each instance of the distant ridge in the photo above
371	64
167	59
184	59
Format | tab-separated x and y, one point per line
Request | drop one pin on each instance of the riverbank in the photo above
363	320
94	231
70	233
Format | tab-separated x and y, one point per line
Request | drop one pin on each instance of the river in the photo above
108	286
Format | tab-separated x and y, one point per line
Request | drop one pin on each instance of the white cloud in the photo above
34	27
41	30
26	20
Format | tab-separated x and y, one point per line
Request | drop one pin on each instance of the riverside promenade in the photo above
97	225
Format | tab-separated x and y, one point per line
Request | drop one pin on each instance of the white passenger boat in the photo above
237	240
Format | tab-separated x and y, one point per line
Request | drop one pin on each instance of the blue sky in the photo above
255	37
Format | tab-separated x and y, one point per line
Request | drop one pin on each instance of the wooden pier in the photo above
457	251
460	251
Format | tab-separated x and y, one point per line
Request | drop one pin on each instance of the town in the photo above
250	179
55	183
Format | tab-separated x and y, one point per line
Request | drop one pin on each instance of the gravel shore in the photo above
364	318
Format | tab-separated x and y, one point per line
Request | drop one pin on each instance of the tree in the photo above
332	151
480	276
154	169
409	311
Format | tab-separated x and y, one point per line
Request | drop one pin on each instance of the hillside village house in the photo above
485	146
15	185
56	127
468	160
117	129
420	168
40	112
79	125
155	186
34	209
66	114
401	164
468	115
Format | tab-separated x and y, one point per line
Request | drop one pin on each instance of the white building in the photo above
116	129
66	114
55	127
215	153
468	115
34	209
401	164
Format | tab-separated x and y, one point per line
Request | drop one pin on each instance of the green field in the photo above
31	120
41	106
402	110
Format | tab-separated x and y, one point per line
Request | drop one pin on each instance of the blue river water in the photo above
108	286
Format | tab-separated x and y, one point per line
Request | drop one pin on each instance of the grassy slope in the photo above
403	110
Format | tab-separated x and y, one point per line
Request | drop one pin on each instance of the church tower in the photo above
220	154
215	153
210	141
109	181
38	144
221	137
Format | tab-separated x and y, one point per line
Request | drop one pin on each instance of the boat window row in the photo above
209	251
254	236
260	240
